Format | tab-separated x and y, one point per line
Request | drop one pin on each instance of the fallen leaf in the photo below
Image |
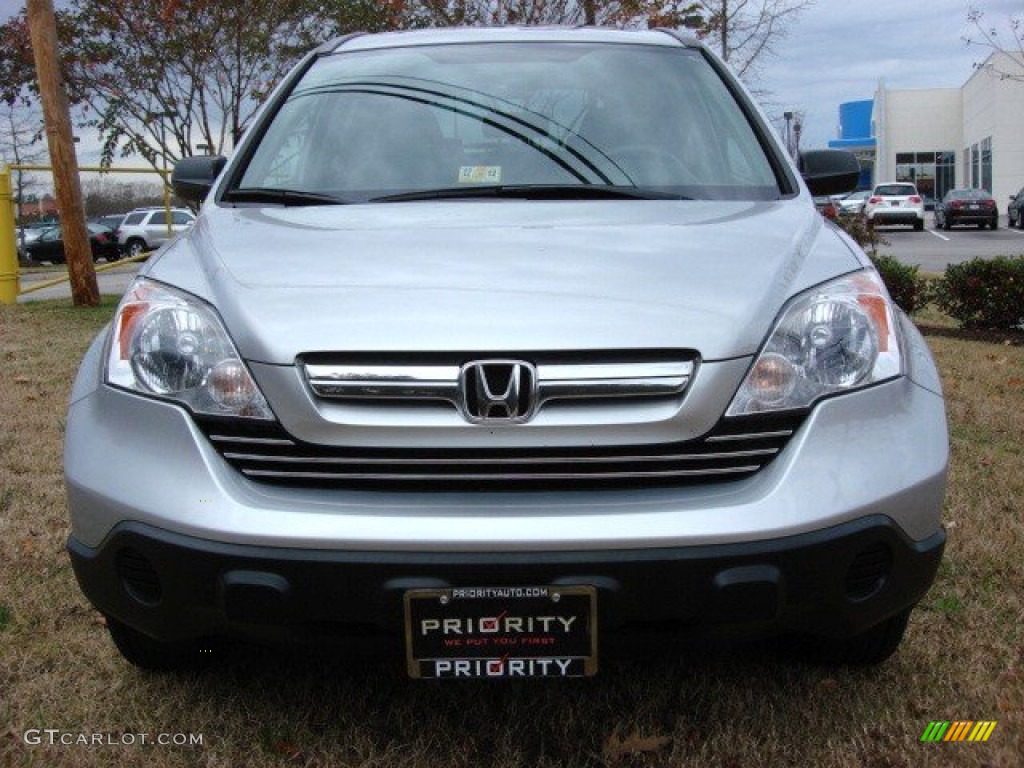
616	747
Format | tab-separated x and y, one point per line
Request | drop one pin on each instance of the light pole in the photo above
162	117
204	148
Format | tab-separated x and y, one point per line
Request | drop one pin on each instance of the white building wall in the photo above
926	120
993	107
941	119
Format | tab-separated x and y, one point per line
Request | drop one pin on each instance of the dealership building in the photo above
941	138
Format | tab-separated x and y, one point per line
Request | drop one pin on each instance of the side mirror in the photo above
193	177
829	171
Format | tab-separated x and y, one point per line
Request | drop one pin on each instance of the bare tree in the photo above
613	13
1009	66
21	129
744	32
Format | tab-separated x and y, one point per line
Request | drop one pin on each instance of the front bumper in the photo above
834	582
167	537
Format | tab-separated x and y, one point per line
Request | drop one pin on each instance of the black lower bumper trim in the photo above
835	582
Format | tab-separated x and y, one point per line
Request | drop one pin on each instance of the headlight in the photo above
833	338
169	344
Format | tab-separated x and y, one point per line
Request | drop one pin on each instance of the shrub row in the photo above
983	293
979	294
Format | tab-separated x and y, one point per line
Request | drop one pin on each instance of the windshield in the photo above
374	124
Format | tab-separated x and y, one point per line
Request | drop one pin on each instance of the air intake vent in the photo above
138	576
735	449
868	572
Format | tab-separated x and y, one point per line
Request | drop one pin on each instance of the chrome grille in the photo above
548	381
734	449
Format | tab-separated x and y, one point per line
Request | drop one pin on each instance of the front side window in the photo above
368	124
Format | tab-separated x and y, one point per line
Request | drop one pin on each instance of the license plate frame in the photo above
501	632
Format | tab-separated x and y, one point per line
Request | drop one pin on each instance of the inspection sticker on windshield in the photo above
472	632
480	174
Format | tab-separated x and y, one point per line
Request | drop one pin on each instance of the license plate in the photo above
473	632
895	204
973	207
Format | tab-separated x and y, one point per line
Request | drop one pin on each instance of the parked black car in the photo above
966	206
1015	211
50	245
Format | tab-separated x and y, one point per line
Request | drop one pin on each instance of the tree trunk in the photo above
43	27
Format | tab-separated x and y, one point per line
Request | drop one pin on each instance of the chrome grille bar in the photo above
420	382
503	461
554	381
502	476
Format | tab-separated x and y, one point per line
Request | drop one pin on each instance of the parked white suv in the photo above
896	203
145	229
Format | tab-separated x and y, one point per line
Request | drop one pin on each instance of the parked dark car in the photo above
826	207
966	206
111	221
1015	211
50	245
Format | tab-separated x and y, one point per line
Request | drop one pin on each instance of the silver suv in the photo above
145	229
496	344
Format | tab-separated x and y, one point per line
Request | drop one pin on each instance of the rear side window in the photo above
896	190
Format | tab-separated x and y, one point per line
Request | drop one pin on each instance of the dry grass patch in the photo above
963	657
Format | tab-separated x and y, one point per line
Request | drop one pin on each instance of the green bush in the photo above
907	288
984	293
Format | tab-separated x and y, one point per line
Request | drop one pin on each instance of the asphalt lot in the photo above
115	282
935	249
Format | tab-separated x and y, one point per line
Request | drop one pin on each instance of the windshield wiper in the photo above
534	192
280	196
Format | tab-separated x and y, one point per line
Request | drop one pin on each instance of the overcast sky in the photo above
837	51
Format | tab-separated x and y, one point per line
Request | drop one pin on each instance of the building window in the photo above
934	173
986	164
975	166
945	173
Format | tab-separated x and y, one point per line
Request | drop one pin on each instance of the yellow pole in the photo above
8	242
167	207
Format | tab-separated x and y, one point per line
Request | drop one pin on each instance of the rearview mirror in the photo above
193	177
829	171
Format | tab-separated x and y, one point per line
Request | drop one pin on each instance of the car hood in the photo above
503	276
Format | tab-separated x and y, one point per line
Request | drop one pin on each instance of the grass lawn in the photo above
963	658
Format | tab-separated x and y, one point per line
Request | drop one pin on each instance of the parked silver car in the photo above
146	229
853	203
495	343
